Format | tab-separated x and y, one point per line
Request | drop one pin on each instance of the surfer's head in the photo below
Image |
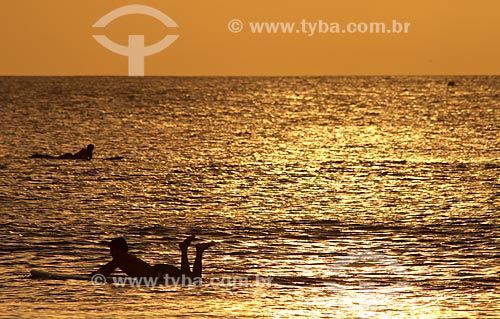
118	245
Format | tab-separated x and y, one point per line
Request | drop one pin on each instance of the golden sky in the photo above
54	37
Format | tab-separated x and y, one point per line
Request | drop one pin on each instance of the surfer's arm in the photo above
107	269
82	154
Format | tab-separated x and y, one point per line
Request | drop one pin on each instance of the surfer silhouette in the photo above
84	153
136	267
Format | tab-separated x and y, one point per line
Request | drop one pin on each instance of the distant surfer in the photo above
84	153
136	267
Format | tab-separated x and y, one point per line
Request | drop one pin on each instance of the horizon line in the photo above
259	75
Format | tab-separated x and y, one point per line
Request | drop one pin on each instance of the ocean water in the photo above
355	197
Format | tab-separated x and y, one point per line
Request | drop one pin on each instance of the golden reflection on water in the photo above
362	197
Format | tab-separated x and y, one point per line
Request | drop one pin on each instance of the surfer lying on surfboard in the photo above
135	267
84	153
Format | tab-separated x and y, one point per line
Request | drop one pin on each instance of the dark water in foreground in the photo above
362	197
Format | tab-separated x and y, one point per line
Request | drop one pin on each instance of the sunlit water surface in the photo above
361	197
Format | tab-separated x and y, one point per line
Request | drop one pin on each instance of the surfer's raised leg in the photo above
200	248
185	269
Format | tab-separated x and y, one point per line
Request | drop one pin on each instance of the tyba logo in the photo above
135	51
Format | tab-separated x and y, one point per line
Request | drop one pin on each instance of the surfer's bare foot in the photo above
185	244
204	246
